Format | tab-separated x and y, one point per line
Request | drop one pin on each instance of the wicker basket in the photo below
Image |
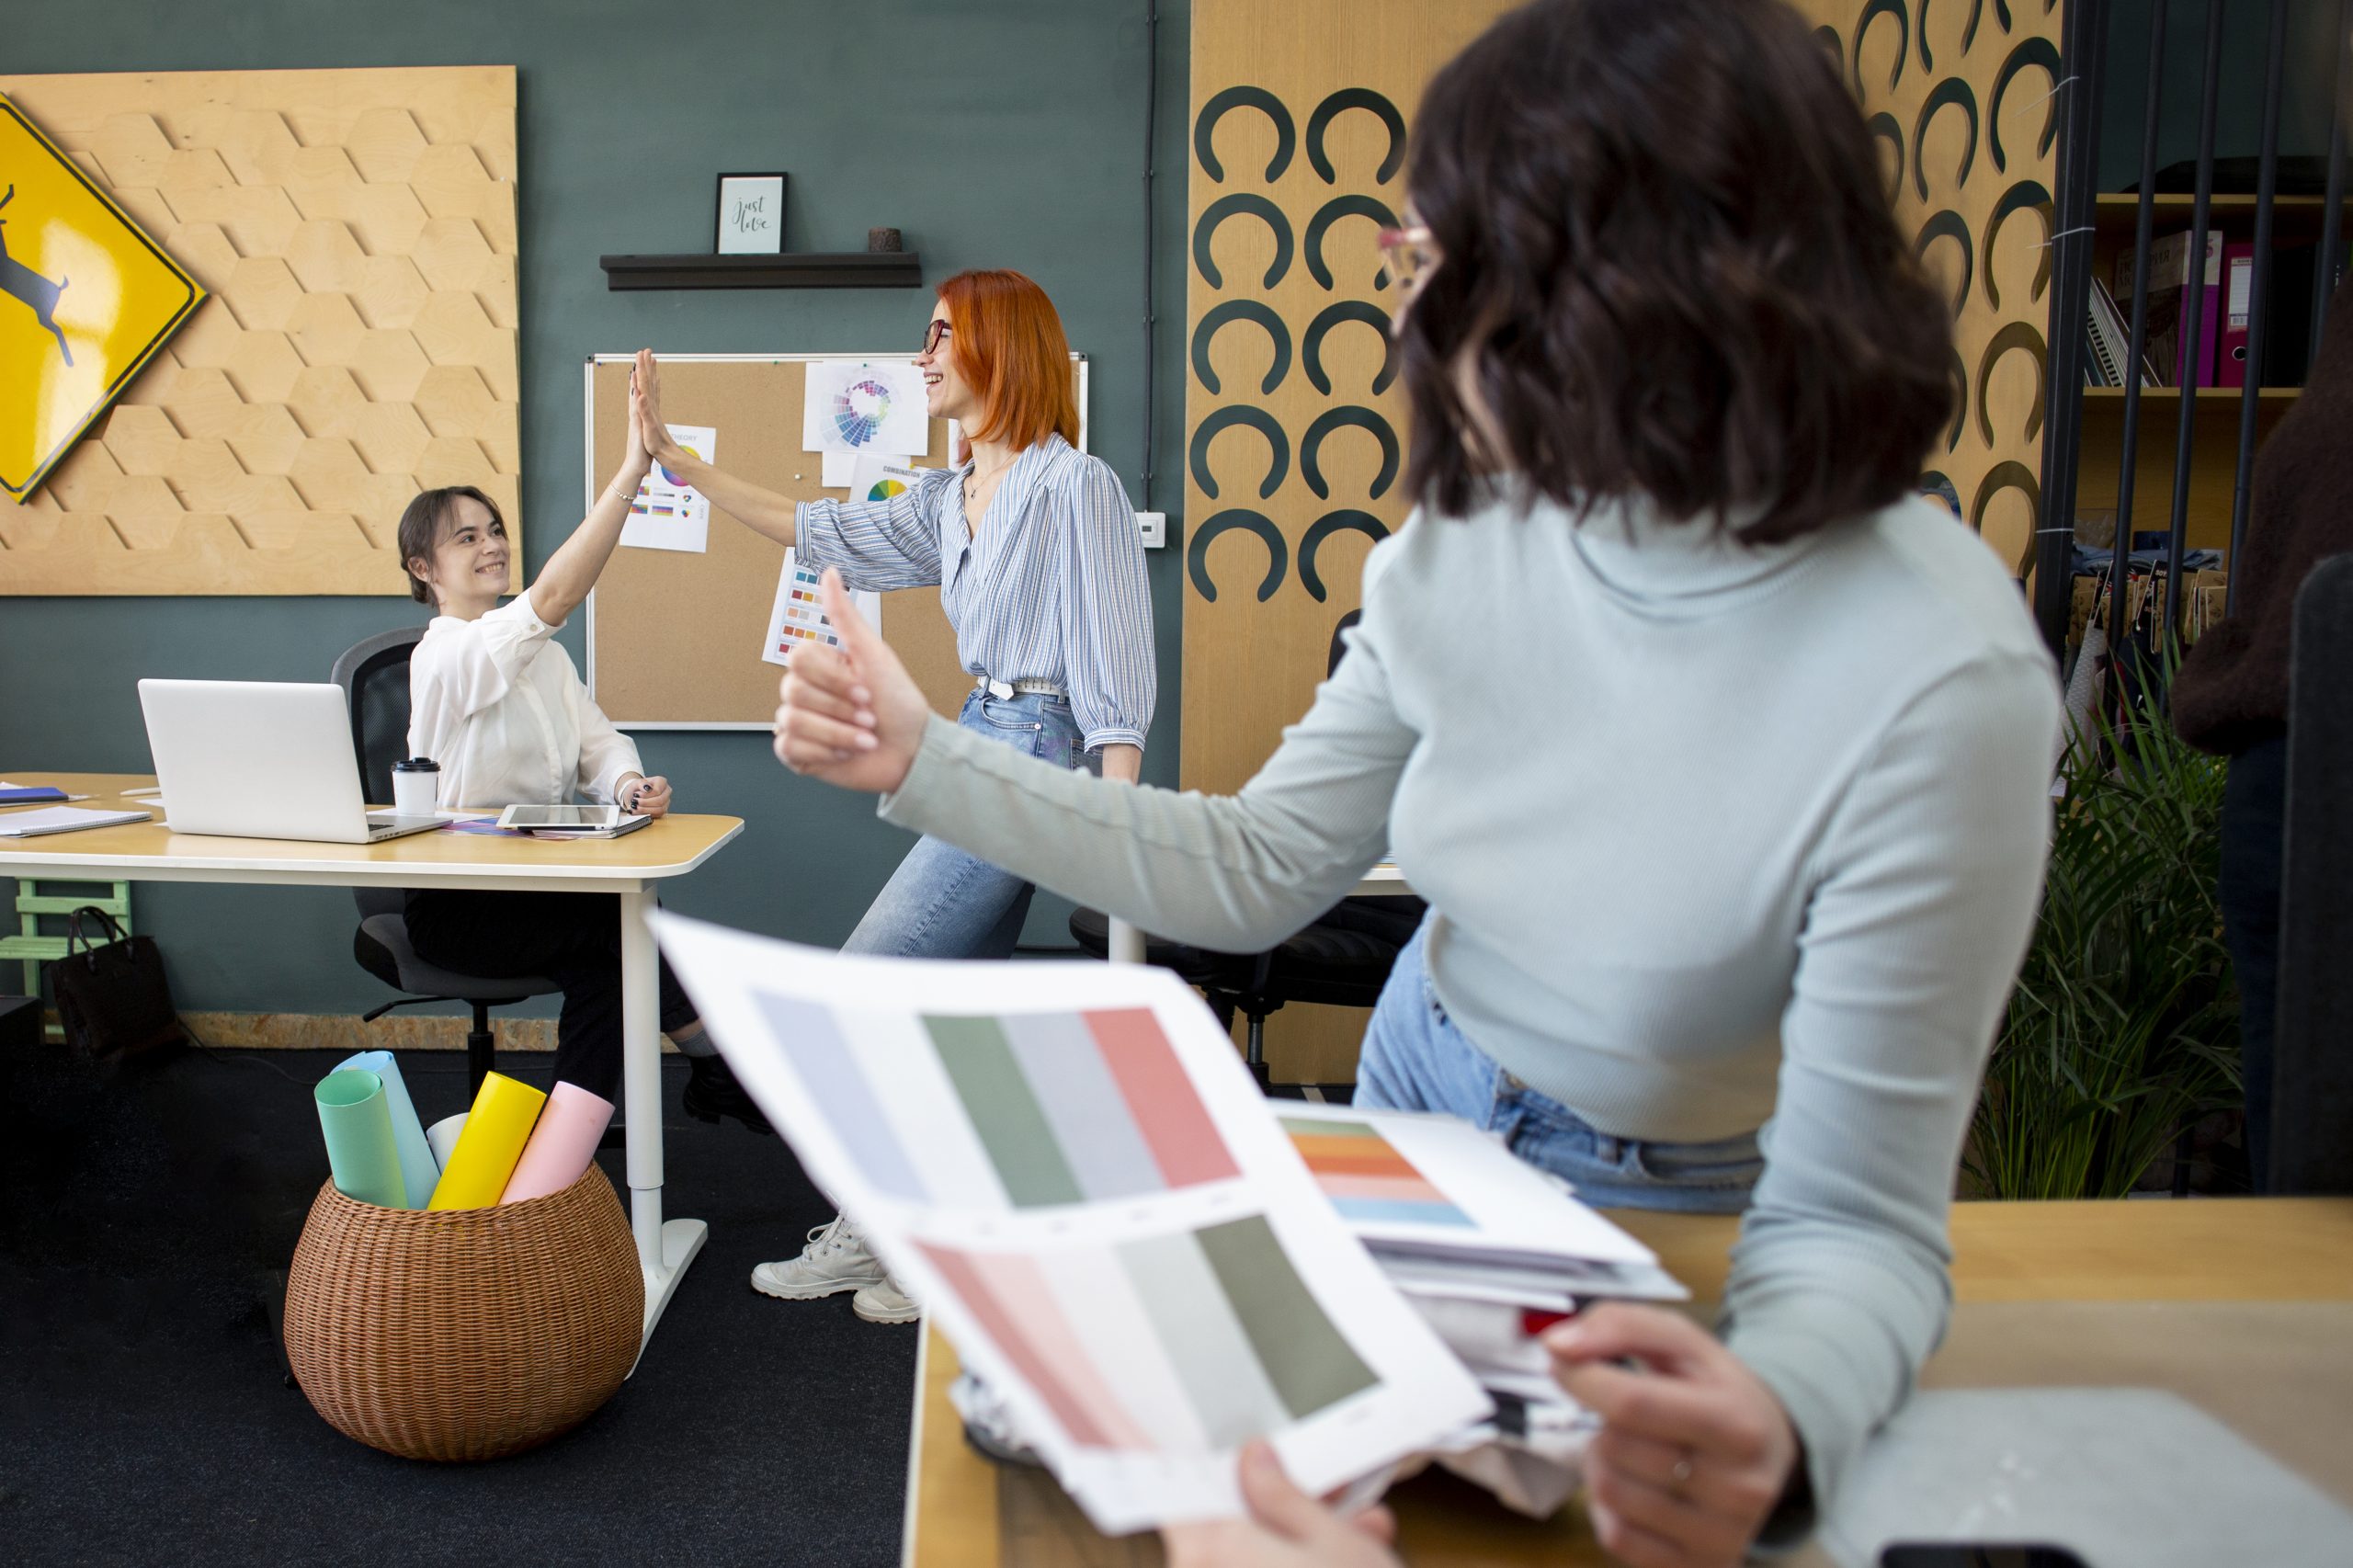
464	1334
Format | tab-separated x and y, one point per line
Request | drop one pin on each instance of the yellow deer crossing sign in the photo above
85	300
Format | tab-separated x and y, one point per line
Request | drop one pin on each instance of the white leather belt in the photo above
1006	691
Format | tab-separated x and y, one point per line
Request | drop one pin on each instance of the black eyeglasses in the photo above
933	331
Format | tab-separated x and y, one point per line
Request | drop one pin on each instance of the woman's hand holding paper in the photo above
1286	1529
855	718
1694	1449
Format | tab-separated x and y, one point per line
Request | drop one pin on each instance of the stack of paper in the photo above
38	820
1492	1251
1070	1168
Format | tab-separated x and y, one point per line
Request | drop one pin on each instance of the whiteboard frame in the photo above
590	489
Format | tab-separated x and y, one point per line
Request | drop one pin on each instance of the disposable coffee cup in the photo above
416	787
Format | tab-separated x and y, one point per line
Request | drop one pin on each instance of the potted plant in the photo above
2123	1030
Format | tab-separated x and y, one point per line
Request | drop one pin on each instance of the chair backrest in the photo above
374	677
2311	1100
1339	646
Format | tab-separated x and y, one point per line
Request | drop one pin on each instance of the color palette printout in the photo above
667	513
798	617
1438	1183
1069	1166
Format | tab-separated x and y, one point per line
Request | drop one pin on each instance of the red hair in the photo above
1010	346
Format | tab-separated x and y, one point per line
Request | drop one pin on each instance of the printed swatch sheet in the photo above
1072	1170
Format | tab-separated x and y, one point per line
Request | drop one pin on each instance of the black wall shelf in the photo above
806	269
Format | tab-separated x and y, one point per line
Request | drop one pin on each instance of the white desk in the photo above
1384	881
629	867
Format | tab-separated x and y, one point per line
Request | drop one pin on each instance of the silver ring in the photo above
1681	1473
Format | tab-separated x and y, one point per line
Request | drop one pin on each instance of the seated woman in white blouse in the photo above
497	702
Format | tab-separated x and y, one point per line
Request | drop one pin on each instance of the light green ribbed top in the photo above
1715	840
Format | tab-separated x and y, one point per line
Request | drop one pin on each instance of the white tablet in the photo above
561	819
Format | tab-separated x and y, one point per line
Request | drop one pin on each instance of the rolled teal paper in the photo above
357	1122
419	1169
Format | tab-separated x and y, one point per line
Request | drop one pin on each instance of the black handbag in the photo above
111	995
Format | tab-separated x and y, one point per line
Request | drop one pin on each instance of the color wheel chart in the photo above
859	410
1365	1176
1019	1111
883	489
1187	1343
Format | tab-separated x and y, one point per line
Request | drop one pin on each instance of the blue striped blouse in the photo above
1050	587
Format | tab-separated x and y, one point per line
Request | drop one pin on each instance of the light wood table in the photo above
2244	1307
629	868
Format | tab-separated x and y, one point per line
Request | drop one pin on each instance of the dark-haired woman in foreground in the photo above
1720	756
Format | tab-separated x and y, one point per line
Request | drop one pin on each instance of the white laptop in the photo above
261	759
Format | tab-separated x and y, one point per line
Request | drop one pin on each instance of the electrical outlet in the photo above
1154	526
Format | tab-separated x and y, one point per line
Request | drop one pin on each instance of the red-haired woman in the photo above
1034	547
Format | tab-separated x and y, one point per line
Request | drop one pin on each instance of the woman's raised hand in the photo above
645	407
637	455
1694	1449
853	718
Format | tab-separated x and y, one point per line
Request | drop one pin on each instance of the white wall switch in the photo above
1154	526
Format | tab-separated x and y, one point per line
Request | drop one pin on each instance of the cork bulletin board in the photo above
674	637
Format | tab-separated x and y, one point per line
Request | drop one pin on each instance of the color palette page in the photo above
798	617
1439	1182
1070	1167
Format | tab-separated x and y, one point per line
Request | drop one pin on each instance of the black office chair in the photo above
1341	958
374	677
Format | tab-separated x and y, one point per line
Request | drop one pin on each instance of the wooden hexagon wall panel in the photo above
357	232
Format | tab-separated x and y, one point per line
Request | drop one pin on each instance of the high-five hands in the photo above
853	721
645	407
1286	1529
1694	1450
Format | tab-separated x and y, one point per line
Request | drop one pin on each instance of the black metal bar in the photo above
2193	311
1151	122
2258	298
2144	215
2332	212
2080	70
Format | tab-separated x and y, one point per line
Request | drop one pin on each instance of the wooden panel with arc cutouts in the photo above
1960	97
356	230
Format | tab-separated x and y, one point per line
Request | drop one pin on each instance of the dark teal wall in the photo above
994	133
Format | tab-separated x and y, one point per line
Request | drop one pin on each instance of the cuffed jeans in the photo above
944	903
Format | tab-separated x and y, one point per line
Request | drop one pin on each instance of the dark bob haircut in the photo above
1666	248
422	528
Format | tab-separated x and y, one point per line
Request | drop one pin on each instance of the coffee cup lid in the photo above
417	764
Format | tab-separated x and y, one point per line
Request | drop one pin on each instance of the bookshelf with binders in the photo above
2217	378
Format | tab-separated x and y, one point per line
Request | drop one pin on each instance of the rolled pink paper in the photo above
560	1145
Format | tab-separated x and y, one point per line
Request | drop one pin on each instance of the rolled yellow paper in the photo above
496	1130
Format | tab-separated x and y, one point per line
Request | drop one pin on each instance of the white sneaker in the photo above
834	1261
885	1303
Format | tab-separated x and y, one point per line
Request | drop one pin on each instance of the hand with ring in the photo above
1694	1450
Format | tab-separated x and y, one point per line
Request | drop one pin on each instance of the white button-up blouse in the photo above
500	706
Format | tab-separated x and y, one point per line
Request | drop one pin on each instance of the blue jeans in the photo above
944	903
1415	1058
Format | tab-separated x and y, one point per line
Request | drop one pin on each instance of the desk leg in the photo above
1127	942
664	1250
